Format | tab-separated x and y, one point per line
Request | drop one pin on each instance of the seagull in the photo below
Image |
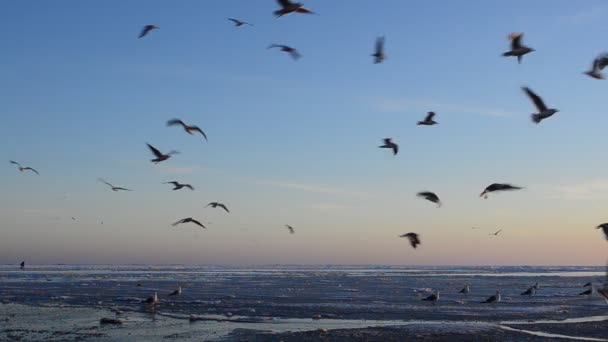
496	233
543	111
493	299
430	196
188	220
604	227
290	7
498	187
114	188
152	300
147	29
22	265
188	129
291	51
517	49
432	298
388	143
413	237
465	290
530	291
21	168
239	23
217	204
599	63
177	292
379	55
428	120
588	292
291	231
159	156
178	185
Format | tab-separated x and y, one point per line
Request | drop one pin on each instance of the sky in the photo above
296	142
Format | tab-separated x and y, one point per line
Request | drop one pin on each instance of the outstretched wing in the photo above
538	102
155	151
178	222
234	21
380	44
223	207
197	223
31	169
174	122
515	40
277	46
429	116
284	3
119	188
189	186
197	129
14	162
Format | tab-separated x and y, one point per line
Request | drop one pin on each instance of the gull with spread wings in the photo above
187	128
428	120
22	168
291	7
379	55
517	48
189	220
543	111
160	156
217	204
114	188
147	29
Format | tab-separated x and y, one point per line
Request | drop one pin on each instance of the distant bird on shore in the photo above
496	233
428	120
152	300
430	196
543	111
177	185
114	188
159	156
177	292
493	299
290	7
588	292
189	220
388	143
465	290
22	169
187	128
284	48
432	298
599	63
217	204
290	228
529	292
604	227
239	23
22	265
498	187
413	238
379	55
147	29
517	48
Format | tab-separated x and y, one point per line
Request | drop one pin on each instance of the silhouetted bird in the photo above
188	129
432	298
413	238
147	29
159	156
217	204
604	227
465	290
177	292
290	7
239	23
588	292
517	48
379	55
152	300
498	187
493	299
599	63
21	168
428	120
290	228
189	220
587	285
496	233
114	188
543	111
291	51
430	196
530	291
178	185
22	265
388	143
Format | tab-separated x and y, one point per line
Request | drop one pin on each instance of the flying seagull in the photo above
22	265
152	300
177	292
159	156
496	233
188	220
530	291
498	187
291	51
432	298
428	120
379	55
388	143
290	7
493	299
178	185
239	23
599	63
188	129
114	188
217	204
413	237
517	48
430	196
604	227
147	29
21	168
290	228
543	111
465	290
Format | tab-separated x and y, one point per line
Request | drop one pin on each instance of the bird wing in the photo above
295	54
189	186
277	46
196	128
31	169
538	102
234	20
429	116
145	31
515	40
104	182
119	188
303	10
174	122
213	204
601	61
605	229
14	162
500	230
197	223
178	222
284	3
223	207
379	44
395	148
173	182
154	151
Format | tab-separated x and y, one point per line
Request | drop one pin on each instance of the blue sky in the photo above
295	142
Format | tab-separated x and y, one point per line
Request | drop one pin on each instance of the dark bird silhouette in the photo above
379	55
587	285
430	196
21	168
239	23
432	298
114	188
496	233
498	187
588	292
22	265
543	111
530	291
217	204
604	227
177	292
188	129
388	143
413	238
189	220
152	300
159	156
465	290
178	185
599	63
290	228
147	29
73	218
290	7
493	299
517	48
428	120
291	51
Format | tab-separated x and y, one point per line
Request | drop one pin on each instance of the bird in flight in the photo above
177	292
290	7
239	23
290	228
496	233
430	196
379	55
147	29
498	187
22	265
428	120
159	156
493	299
388	143
21	168
188	129
189	220
114	188
517	48
543	111
217	204
413	238
599	63
432	298
604	227
177	185
291	51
